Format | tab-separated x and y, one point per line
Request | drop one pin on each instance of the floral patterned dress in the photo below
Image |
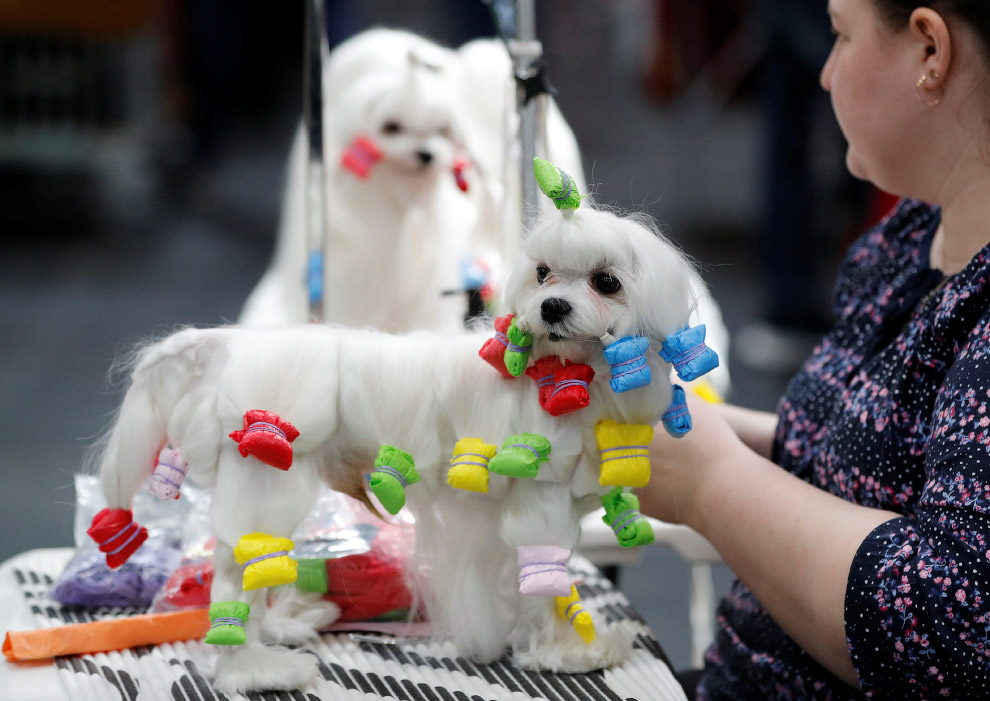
891	411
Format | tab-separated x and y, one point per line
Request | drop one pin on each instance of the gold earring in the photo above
921	82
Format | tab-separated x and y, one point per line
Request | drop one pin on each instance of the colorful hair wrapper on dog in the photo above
105	635
469	466
169	473
623	517
266	436
266	561
394	471
361	156
519	344
627	360
677	418
543	570
227	623
460	165
117	535
557	185
563	387
493	351
570	609
625	453
521	455
687	352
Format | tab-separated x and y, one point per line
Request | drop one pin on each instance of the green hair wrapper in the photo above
394	470
521	455
223	633
622	516
556	184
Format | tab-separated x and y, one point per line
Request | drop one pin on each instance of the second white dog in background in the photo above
413	186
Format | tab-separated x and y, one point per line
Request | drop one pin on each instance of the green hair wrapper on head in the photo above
557	185
521	455
394	470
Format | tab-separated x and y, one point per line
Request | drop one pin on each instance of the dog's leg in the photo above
252	498
540	521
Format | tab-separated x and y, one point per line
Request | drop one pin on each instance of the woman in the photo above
863	565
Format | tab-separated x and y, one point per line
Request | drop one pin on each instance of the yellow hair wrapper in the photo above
266	561
569	608
469	466
625	453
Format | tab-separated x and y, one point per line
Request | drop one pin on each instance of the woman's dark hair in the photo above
976	13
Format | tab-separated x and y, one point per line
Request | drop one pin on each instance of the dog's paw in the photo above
262	668
566	652
295	616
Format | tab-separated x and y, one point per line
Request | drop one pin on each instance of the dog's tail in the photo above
161	376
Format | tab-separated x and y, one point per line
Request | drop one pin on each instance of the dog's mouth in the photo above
554	336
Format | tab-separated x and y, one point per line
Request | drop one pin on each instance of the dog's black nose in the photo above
425	157
554	309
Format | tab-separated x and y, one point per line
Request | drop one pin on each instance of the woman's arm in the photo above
754	428
789	542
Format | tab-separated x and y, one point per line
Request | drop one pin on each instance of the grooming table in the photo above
352	665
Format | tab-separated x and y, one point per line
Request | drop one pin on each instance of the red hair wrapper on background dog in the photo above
117	535
460	165
361	156
563	386
266	436
493	351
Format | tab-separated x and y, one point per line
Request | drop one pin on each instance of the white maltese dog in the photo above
414	187
497	468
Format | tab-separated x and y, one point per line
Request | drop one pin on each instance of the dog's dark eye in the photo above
391	127
541	273
606	284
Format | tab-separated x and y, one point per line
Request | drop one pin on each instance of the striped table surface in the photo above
351	665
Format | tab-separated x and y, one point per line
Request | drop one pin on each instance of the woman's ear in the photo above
931	34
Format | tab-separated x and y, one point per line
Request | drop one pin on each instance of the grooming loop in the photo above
266	561
623	517
521	455
469	466
677	418
625	453
563	387
361	156
687	352
543	570
520	343
627	361
394	471
266	436
117	535
570	609
227	620
169	472
493	351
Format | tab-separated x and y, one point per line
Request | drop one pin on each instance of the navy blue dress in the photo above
892	410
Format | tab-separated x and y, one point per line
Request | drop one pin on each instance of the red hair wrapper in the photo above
563	387
361	156
460	165
493	351
266	436
117	534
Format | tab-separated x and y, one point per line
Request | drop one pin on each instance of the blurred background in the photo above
142	148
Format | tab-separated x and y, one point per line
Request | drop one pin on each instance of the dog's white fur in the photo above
348	391
396	240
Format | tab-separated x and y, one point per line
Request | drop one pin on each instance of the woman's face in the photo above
871	75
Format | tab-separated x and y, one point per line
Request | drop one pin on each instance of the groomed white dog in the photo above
489	565
416	152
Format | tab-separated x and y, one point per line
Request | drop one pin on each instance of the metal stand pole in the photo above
526	52
316	49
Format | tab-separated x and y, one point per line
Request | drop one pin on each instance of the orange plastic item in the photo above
103	636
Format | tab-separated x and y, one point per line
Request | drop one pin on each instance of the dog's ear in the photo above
667	287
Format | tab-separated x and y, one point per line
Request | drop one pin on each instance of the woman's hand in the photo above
684	468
